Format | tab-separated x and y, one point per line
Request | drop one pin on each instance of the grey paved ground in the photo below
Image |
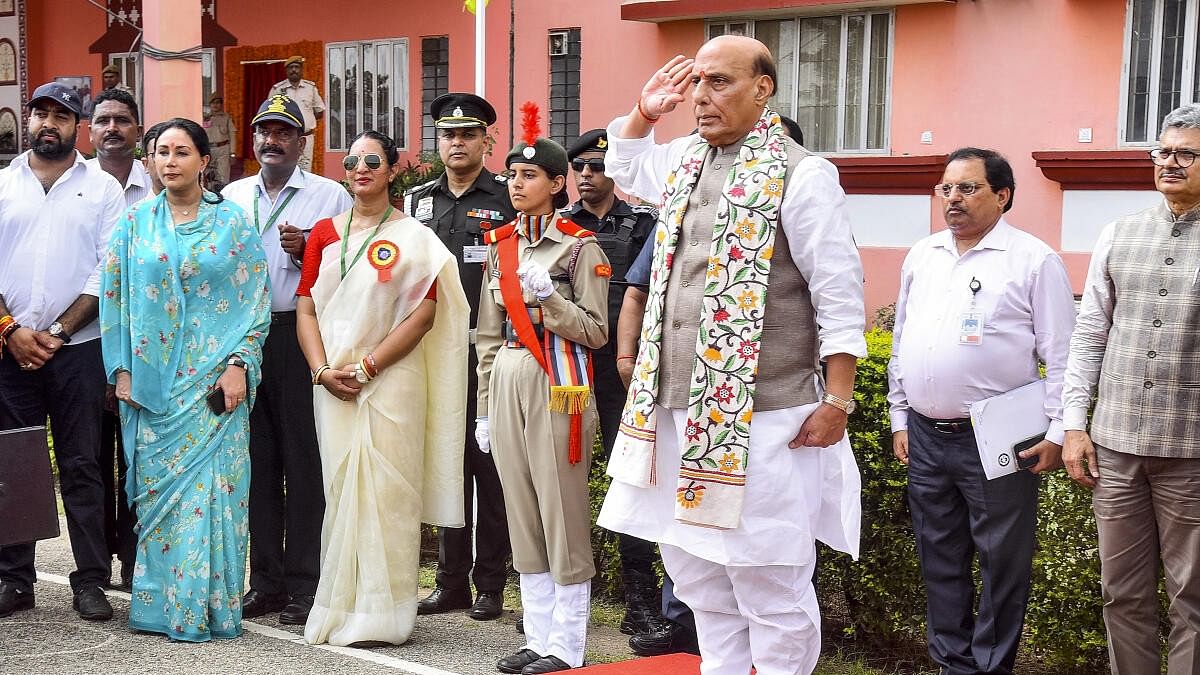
52	639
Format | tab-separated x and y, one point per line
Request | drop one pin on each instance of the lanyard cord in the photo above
361	249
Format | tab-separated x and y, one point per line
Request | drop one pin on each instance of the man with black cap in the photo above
461	206
286	493
56	215
621	229
307	97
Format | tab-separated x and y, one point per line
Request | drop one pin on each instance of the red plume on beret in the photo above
531	119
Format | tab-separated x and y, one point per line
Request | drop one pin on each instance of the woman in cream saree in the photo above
384	330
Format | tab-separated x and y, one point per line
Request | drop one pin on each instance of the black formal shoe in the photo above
669	638
12	600
256	603
546	664
444	600
295	613
521	626
513	663
92	605
487	606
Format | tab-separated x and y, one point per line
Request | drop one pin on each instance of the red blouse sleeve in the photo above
323	234
432	294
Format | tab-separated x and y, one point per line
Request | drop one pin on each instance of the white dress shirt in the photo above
813	217
316	198
1094	321
137	186
1028	313
52	243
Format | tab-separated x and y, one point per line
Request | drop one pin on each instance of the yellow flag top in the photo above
469	5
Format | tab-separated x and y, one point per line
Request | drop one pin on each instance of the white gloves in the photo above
481	435
535	279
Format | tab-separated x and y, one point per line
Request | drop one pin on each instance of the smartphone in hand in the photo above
216	401
1027	463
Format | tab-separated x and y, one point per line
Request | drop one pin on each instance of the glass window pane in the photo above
1138	87
738	29
334	87
877	86
383	88
817	81
1170	72
856	31
715	30
368	88
206	78
780	38
351	89
400	93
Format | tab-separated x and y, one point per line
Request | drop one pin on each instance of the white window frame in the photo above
1187	72
208	58
399	95
119	59
750	23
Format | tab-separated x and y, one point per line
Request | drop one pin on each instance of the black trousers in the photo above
287	498
958	513
637	555
489	570
70	390
119	520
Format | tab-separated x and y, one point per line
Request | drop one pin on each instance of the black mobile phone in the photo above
1022	462
216	401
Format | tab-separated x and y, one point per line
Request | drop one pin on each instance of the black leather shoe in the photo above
546	664
444	600
92	605
256	603
669	638
487	606
295	613
12	600
513	663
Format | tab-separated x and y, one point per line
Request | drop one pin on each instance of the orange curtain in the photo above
235	74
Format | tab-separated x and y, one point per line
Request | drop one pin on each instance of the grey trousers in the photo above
1147	511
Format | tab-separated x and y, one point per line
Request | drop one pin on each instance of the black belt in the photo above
283	317
954	426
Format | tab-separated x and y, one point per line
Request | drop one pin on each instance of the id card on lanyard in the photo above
970	322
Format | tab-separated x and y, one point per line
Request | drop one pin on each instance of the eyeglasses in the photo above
596	164
372	160
283	133
1184	158
966	189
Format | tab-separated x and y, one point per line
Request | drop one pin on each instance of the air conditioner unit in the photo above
558	43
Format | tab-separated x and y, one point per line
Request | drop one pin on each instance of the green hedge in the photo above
880	599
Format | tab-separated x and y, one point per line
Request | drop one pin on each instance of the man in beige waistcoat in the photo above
733	452
1136	338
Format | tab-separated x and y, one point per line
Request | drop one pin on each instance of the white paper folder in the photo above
1004	420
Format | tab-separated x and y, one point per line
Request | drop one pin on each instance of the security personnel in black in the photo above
460	206
621	229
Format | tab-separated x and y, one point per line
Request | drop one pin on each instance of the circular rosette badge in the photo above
383	256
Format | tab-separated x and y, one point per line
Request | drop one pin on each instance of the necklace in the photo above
188	210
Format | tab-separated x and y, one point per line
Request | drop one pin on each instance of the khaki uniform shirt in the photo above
222	135
577	310
306	96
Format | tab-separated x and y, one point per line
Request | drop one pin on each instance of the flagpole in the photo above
480	12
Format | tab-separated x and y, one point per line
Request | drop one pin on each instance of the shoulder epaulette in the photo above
567	226
500	233
417	188
643	208
500	178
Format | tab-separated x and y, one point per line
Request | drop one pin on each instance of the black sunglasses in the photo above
373	161
597	165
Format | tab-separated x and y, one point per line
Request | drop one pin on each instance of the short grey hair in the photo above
1184	117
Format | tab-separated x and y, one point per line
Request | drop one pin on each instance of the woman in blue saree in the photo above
184	311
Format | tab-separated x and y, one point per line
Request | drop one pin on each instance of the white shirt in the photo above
316	198
52	243
1028	312
814	220
1094	322
137	186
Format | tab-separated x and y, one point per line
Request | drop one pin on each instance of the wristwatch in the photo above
361	375
56	330
842	404
236	360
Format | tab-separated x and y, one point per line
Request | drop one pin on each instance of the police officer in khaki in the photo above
222	137
305	94
460	206
543	310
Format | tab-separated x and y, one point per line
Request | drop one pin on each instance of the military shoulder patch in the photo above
603	271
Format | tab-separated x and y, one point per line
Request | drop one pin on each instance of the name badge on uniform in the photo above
474	254
970	328
424	209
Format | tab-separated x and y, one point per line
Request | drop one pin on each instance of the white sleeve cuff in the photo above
1074	419
899	420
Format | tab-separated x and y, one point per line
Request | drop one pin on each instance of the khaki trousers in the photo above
306	155
545	496
1147	510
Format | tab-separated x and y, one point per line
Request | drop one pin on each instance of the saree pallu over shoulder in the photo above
176	302
393	457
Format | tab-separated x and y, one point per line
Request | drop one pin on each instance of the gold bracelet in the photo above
316	378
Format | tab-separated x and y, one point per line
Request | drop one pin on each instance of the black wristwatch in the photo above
236	360
56	330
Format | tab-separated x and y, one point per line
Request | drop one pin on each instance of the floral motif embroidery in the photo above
689	497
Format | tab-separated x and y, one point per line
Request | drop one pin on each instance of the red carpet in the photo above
671	664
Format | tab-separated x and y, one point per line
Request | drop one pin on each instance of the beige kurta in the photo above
545	496
222	139
392	458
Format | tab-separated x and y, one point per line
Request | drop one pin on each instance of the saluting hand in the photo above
291	238
667	86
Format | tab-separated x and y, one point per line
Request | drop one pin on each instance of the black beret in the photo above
595	140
